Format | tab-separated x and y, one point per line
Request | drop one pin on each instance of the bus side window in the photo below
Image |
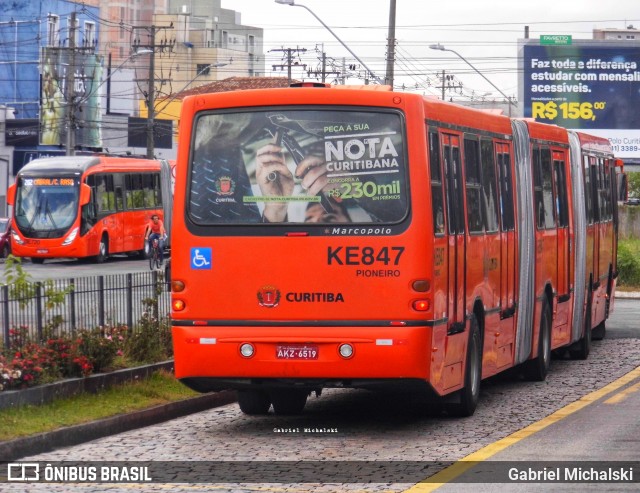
561	193
118	184
588	190
473	185
489	189
148	191
437	205
538	198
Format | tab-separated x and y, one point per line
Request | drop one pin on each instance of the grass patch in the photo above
160	388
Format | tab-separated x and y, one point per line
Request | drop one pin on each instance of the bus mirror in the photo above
85	194
11	194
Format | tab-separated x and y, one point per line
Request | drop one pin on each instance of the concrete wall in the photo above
629	221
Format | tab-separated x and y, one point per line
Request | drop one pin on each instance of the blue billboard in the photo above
588	85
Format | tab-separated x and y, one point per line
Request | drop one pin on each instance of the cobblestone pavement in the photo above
349	426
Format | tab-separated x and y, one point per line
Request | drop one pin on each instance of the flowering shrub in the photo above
29	364
102	345
67	357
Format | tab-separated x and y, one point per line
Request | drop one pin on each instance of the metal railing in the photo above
89	302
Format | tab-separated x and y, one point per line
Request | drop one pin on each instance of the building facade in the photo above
117	51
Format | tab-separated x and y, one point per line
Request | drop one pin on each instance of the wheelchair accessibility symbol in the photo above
201	258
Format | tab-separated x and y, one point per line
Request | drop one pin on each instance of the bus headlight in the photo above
16	238
72	236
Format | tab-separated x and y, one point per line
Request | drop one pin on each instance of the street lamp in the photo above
293	4
442	48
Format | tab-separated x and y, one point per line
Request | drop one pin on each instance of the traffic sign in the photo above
555	39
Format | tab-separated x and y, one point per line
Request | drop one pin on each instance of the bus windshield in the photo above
46	207
302	165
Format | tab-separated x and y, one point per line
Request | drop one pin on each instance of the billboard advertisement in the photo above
589	85
54	119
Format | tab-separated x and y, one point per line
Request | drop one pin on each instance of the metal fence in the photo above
89	302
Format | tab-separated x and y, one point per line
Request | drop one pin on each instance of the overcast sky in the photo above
483	32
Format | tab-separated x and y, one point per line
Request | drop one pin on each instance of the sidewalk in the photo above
632	295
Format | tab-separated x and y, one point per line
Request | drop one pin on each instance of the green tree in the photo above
634	184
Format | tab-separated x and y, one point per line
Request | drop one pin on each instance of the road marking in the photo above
450	473
620	396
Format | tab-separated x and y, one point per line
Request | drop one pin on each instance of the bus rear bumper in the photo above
210	358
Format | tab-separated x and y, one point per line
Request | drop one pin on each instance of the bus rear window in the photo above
292	166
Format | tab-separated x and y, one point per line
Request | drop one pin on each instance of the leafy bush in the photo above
629	263
152	341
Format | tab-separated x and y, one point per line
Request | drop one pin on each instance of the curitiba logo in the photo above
225	186
269	296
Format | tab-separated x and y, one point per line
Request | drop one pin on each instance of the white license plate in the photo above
297	351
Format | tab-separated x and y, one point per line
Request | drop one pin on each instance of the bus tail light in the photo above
421	285
421	305
178	305
72	236
177	286
247	350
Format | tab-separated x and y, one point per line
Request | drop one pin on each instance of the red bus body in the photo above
86	206
443	273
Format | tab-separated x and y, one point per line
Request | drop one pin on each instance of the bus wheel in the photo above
37	260
470	394
103	250
253	402
582	348
5	251
288	401
599	332
538	368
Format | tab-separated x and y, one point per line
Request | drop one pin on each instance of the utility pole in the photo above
391	43
150	95
448	85
70	89
323	72
290	64
151	108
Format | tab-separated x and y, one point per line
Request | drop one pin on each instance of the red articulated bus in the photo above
87	206
342	237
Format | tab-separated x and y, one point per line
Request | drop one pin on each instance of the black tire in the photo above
253	402
288	402
103	250
582	348
37	260
599	332
470	394
152	260
5	251
538	368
